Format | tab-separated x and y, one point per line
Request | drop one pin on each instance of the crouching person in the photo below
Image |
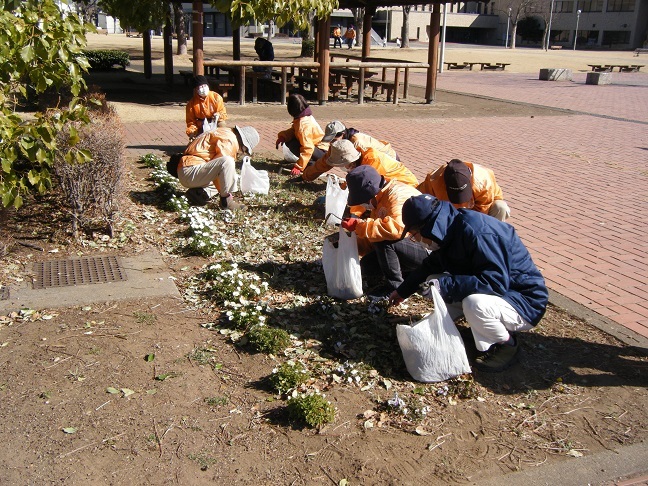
480	264
380	242
210	158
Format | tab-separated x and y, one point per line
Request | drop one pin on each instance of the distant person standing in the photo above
349	36
337	37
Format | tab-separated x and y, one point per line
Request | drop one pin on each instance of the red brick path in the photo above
577	184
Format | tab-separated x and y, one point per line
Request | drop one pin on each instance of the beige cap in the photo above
343	152
332	129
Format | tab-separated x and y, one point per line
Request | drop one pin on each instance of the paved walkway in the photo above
576	183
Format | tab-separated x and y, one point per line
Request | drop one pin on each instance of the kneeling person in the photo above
481	265
210	158
380	241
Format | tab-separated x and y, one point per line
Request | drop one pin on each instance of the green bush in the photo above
308	48
312	409
105	59
268	339
289	376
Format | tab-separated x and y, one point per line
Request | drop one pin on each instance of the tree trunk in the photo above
148	63
513	31
405	29
358	19
178	15
168	48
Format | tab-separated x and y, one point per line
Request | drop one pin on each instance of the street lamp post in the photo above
549	27
578	12
508	21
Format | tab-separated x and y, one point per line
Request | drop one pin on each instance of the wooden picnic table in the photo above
351	76
623	68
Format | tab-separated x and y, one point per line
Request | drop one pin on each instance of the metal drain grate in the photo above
78	271
4	292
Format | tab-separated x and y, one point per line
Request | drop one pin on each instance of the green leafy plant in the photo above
216	401
313	409
289	376
105	59
268	340
40	51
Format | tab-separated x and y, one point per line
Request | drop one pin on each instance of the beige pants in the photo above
220	170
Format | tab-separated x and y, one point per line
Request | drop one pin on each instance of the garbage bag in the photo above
342	266
253	180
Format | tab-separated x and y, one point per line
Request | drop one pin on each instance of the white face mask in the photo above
203	91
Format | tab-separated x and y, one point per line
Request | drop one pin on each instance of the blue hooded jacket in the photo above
480	254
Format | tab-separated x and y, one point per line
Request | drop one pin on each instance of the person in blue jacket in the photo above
481	264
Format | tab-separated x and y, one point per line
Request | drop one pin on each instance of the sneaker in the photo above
498	358
197	196
230	203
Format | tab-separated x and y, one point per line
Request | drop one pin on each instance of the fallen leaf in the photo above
69	430
575	453
149	357
127	392
112	390
421	431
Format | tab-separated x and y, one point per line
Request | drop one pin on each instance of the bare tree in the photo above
178	15
405	28
519	10
358	18
87	10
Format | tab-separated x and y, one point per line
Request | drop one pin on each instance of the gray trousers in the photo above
221	169
393	259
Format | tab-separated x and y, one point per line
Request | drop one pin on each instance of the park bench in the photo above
640	51
555	48
456	65
275	87
495	66
376	84
597	68
102	31
631	68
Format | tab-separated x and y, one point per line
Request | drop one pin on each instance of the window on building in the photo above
620	5
560	35
591	5
563	6
615	37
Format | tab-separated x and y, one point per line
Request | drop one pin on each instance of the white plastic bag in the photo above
433	349
253	180
336	200
342	267
288	155
209	126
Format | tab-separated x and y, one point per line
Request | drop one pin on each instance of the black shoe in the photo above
197	196
498	358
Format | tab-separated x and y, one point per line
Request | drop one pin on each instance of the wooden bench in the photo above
275	88
376	84
456	65
555	48
302	81
187	76
221	86
640	51
597	68
631	68
495	66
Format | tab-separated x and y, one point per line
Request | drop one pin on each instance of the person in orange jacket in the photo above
205	105
380	235
349	36
337	37
210	158
467	185
304	137
362	142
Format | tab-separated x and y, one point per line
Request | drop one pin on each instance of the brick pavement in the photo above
575	183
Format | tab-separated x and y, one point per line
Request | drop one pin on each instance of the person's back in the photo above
264	49
391	168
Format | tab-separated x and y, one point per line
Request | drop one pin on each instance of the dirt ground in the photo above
155	392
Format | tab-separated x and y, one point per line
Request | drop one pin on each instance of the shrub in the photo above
312	409
105	59
289	376
308	48
268	339
89	167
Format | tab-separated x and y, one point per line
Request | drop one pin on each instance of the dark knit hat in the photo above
458	180
199	80
417	211
363	182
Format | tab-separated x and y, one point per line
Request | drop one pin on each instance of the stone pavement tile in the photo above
625	98
577	197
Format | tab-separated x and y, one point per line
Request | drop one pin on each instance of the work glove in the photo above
349	224
280	141
395	298
295	171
